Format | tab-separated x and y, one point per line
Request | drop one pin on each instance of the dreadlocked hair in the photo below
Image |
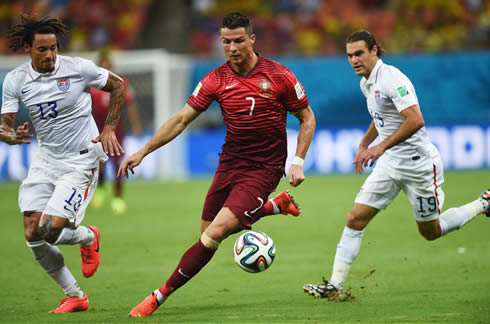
24	32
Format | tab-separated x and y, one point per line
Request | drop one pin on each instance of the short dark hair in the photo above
366	36
24	32
236	20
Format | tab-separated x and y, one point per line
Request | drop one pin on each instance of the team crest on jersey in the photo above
265	88
63	84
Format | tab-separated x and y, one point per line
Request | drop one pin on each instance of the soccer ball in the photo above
254	251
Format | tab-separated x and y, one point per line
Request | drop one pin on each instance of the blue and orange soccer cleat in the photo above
285	202
146	307
71	304
91	254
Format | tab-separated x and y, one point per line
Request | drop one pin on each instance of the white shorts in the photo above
57	191
420	179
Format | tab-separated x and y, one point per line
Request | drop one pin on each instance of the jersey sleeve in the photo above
95	76
294	95
204	93
10	96
401	91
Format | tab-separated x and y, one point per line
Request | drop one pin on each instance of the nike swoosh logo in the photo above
25	91
261	201
230	86
180	271
97	249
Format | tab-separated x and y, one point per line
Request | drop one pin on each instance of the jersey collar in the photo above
373	76
34	74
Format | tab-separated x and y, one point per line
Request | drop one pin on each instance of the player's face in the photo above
43	52
360	58
237	45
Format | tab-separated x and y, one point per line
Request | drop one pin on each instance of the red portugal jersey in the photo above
100	107
254	109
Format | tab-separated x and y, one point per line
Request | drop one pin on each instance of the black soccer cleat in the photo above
324	290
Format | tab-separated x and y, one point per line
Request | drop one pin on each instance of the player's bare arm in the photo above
369	137
115	85
307	126
166	133
11	136
412	123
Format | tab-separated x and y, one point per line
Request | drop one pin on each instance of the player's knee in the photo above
31	221
31	234
49	234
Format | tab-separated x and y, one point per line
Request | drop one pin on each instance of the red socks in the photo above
193	260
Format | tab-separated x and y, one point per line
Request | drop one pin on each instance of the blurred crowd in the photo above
283	27
93	23
319	27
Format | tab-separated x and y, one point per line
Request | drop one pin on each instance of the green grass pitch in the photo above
398	277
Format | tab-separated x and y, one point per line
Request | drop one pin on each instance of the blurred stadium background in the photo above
165	47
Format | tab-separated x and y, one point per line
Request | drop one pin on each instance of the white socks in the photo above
51	260
160	298
274	206
347	250
65	280
455	218
81	235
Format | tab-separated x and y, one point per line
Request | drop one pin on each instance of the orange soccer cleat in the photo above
287	205
90	255
71	304
146	307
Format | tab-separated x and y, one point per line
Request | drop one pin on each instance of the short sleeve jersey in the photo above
254	108
100	106
388	92
59	107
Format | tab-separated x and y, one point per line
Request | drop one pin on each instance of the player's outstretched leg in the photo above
147	306
71	304
323	290
91	254
485	199
286	204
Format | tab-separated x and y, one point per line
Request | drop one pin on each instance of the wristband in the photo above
298	161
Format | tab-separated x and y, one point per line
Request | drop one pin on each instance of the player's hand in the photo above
296	175
357	164
109	141
22	133
19	137
130	163
367	157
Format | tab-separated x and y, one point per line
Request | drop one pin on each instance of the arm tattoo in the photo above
7	131
118	93
49	233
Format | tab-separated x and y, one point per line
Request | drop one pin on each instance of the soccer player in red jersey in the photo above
255	94
100	108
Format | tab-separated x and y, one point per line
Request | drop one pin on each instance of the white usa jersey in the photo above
59	106
388	92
